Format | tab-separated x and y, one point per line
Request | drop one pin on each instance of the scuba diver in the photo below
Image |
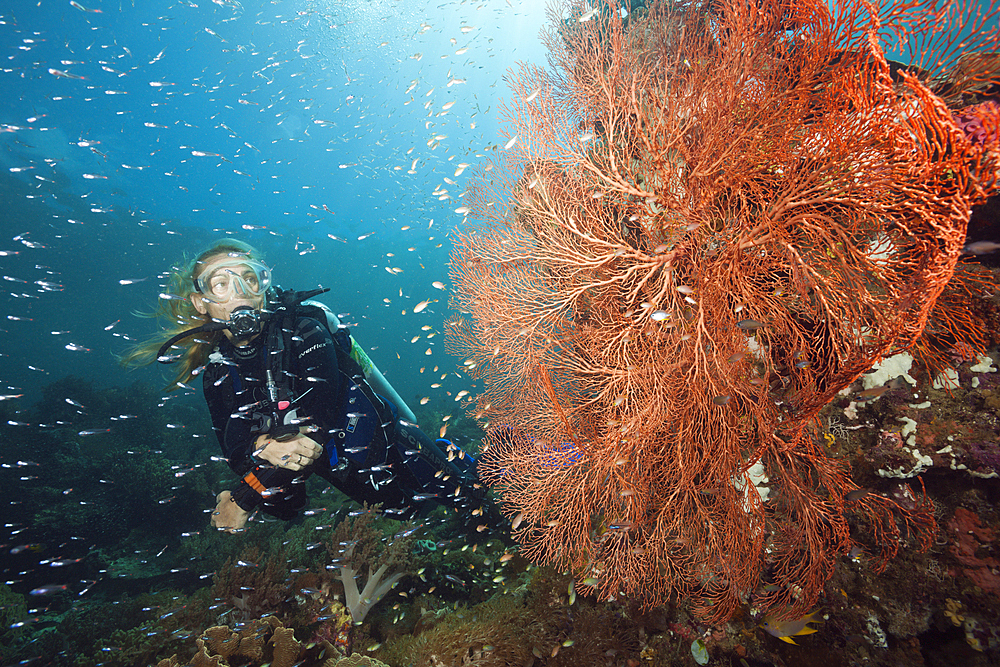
291	394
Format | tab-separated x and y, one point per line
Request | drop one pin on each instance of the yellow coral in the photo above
971	628
952	611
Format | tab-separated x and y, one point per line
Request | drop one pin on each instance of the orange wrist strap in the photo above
254	483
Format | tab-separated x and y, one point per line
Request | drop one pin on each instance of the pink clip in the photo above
283	405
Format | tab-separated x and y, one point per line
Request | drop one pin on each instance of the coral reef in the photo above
927	427
537	622
109	561
482	602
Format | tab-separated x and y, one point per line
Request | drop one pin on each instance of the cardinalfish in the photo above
49	589
785	630
872	393
21	548
65	75
750	325
981	247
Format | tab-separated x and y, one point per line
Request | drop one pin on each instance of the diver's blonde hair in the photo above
178	314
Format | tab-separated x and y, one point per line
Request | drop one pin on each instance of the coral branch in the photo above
376	587
358	547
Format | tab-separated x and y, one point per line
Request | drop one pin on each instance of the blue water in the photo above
308	117
329	134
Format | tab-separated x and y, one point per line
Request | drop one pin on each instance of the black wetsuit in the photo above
369	453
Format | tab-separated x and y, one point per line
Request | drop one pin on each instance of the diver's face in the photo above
228	283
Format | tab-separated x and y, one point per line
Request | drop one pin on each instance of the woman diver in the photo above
291	394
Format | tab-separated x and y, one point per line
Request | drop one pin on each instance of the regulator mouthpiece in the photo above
245	322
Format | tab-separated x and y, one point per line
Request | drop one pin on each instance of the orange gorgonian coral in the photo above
710	218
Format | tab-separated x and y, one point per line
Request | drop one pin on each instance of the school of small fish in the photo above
347	133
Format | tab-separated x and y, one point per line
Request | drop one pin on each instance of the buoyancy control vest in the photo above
360	435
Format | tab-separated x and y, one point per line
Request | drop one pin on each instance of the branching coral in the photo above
376	587
359	548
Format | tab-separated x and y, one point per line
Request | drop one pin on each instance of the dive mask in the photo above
225	280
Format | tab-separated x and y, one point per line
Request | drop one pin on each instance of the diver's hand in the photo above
228	516
294	454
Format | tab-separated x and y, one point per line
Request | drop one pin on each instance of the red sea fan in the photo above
709	219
